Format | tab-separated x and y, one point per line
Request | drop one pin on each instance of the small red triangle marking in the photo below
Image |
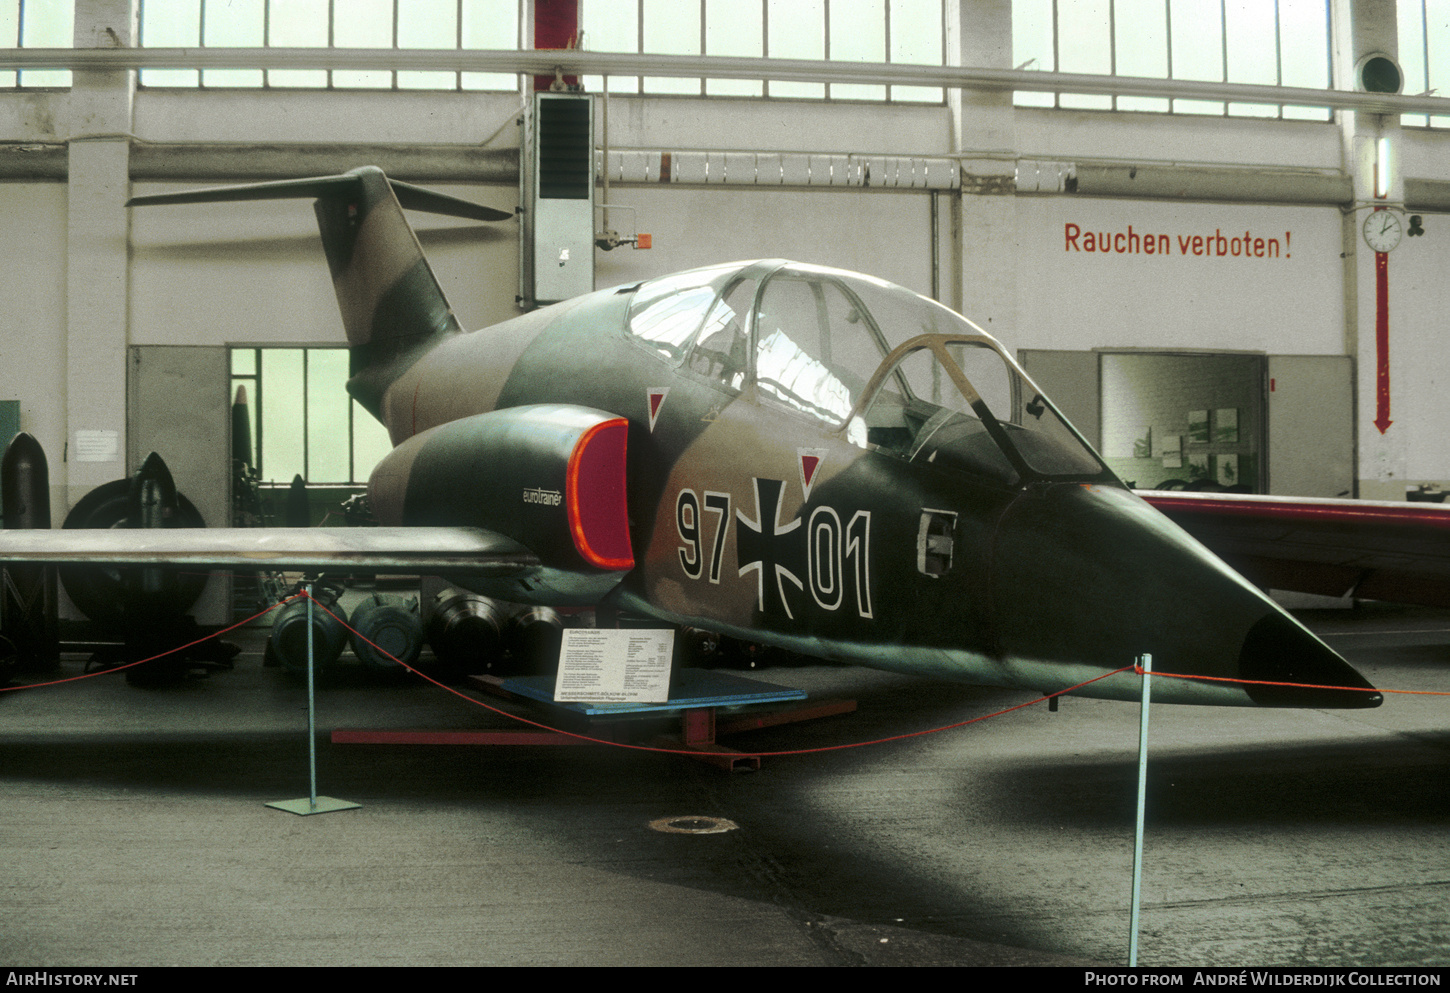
656	396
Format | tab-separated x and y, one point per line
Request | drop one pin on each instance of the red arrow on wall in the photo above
1382	341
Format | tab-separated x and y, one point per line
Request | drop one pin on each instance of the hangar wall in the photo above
1420	306
251	274
32	307
254	273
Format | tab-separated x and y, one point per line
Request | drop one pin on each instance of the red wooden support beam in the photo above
556	25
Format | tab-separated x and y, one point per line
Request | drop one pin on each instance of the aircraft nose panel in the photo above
1277	650
1091	577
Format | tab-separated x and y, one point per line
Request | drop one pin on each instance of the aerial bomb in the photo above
298	511
103	593
698	646
535	635
151	503
289	633
241	428
466	630
386	630
28	600
25	484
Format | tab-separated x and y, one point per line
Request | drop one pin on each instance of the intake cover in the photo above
550	476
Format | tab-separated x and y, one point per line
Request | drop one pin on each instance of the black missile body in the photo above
28	603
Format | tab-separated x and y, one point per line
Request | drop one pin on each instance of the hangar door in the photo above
1279	424
1311	425
177	406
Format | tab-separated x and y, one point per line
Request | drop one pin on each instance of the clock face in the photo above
1382	230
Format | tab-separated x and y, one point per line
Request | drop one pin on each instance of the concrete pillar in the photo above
984	287
1361	27
98	128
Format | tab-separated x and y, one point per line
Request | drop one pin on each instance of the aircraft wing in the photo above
1372	549
430	550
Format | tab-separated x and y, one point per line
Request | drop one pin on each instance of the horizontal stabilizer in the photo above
393	309
329	187
428	550
432	202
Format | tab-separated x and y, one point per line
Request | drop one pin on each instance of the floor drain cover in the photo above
693	825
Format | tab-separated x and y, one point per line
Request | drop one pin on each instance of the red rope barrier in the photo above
153	658
676	751
680	751
1307	686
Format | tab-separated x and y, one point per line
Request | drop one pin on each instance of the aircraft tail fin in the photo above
392	306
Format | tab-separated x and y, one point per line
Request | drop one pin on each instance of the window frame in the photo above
1171	105
40	79
691	87
460	78
1421	62
256	385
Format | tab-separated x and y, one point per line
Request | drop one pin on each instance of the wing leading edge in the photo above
430	550
1371	549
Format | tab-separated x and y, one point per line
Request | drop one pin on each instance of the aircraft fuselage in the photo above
752	519
795	455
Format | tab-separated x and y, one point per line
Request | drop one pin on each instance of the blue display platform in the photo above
704	701
690	689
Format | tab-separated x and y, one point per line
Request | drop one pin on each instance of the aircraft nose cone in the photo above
1092	577
1276	650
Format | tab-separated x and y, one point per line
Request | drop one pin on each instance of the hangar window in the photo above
905	31
37	24
303	422
1286	43
400	24
1424	55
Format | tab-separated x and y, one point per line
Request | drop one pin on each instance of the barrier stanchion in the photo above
1145	665
312	803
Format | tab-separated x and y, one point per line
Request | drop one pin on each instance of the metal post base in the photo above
305	806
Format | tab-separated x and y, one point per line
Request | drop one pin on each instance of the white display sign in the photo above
614	666
1129	274
97	446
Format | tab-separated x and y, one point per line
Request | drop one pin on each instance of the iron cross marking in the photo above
776	552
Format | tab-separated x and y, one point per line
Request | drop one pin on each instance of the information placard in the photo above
614	666
96	446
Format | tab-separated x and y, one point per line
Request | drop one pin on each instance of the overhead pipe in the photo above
224	161
1253	185
34	160
206	161
1430	195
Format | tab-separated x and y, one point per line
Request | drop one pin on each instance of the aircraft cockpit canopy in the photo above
891	369
956	402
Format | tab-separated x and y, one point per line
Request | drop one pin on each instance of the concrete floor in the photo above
134	830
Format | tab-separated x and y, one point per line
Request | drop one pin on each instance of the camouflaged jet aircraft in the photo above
788	454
